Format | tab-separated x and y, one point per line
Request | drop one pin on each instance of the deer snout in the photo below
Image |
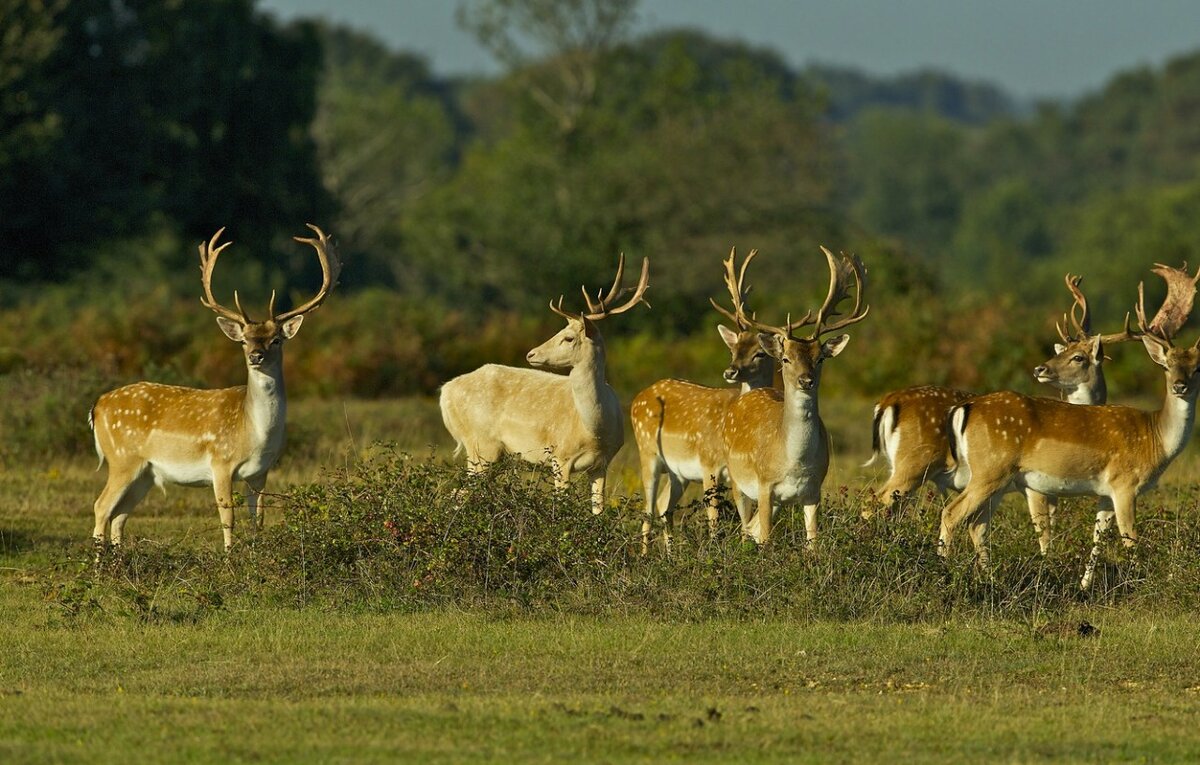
806	382
530	356
1179	387
731	375
256	357
1041	371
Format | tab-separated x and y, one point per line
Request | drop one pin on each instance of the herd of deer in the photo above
769	445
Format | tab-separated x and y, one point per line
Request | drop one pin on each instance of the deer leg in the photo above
674	489
742	503
711	502
255	487
898	486
598	480
810	521
115	487
977	527
134	493
1124	506
223	491
651	476
964	506
1104	519
765	511
1041	512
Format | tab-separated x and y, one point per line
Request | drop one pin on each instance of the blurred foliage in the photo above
131	130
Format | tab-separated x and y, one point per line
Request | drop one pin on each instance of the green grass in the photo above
627	663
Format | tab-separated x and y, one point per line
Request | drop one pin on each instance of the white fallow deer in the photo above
677	424
776	445
1006	439
164	434
572	421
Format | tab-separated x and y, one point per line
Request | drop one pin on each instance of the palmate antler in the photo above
840	271
331	267
603	307
1176	306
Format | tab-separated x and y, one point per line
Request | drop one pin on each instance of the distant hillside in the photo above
849	91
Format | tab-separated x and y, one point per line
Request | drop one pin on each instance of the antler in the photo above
1175	308
1177	305
839	273
603	308
734	282
331	267
1083	323
209	252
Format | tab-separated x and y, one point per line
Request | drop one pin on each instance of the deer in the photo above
677	424
910	426
152	434
1007	439
1077	371
573	421
776	444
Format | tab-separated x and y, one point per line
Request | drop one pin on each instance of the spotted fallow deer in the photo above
1077	371
164	434
1054	447
573	421
911	430
677	424
776	445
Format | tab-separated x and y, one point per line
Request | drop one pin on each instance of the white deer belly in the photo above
688	467
181	473
1059	485
803	486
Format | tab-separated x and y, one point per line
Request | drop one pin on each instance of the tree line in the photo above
129	131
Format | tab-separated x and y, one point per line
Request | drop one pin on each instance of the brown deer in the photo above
572	421
776	445
677	424
1054	447
910	428
164	434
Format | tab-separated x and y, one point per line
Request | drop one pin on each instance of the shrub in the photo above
400	532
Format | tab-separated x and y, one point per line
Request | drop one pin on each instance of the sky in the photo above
1032	48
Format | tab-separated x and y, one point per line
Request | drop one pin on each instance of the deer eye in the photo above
1078	359
568	339
760	355
276	340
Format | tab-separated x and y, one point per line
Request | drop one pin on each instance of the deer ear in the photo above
1157	353
771	343
834	345
1059	348
728	335
1097	350
232	329
290	327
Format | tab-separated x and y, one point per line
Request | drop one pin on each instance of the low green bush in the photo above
397	532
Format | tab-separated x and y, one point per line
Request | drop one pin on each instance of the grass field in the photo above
602	674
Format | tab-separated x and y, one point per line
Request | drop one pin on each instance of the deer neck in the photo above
266	403
1174	422
765	380
1090	394
587	388
801	421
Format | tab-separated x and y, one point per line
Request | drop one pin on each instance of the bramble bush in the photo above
398	532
